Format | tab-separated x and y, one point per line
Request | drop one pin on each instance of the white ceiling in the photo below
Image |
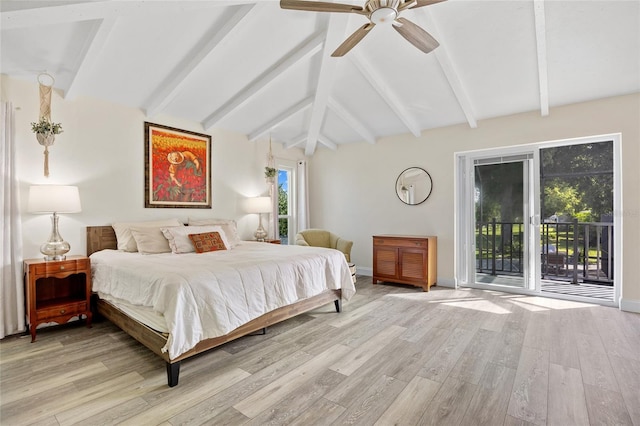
252	67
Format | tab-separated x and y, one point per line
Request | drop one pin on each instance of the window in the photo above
286	201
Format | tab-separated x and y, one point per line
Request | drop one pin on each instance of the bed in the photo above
196	321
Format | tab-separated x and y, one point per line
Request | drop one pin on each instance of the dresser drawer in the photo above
396	242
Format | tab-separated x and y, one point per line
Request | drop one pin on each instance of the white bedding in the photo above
210	294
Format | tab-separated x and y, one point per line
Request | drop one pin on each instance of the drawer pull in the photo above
62	268
62	311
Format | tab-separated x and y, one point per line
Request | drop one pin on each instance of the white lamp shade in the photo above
53	199
258	205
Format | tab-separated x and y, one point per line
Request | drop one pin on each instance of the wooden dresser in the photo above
406	259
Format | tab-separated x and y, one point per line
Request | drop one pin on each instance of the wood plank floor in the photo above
395	355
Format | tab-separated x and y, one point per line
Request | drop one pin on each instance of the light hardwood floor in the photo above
395	355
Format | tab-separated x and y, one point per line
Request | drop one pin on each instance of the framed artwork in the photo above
177	169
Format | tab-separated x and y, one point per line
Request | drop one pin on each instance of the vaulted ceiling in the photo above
252	67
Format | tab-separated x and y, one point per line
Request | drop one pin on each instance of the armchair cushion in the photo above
322	238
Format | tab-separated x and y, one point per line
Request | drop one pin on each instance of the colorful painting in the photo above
177	168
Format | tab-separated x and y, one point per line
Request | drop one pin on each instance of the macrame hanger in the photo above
45	86
270	161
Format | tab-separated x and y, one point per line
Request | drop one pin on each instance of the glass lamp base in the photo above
260	234
56	248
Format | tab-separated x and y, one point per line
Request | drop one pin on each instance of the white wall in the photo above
353	188
102	152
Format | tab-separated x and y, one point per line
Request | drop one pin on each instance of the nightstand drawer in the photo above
61	266
76	308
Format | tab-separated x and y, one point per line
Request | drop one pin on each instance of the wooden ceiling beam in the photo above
285	115
351	120
309	47
541	45
380	85
171	86
335	33
91	50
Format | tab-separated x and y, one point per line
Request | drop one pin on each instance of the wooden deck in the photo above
596	292
593	291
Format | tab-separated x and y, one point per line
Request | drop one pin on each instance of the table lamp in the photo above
259	205
54	199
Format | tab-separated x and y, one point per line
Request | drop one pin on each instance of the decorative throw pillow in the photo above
179	241
207	241
229	226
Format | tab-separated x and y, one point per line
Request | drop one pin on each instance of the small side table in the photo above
57	290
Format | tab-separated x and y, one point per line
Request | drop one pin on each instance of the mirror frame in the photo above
429	180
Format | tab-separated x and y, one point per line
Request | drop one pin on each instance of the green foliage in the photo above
576	182
45	126
499	192
588	169
283	209
585	216
270	172
562	199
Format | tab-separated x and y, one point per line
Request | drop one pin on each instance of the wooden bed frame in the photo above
103	237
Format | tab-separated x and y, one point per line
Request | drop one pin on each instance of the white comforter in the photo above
210	294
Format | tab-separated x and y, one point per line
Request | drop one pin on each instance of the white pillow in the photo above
150	240
124	237
178	237
229	227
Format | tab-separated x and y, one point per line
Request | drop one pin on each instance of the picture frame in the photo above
177	168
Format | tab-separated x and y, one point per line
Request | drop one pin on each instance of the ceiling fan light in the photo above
383	15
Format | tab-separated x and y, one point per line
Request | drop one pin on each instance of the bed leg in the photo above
338	304
173	371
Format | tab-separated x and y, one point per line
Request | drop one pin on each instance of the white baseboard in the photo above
446	282
361	270
630	305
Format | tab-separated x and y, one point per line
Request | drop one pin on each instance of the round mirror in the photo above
414	186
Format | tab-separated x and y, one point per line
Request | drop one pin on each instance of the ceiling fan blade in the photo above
416	35
353	39
422	3
319	6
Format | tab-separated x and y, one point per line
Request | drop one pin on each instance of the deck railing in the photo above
571	251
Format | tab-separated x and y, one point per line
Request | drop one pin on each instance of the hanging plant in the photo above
45	134
269	172
45	127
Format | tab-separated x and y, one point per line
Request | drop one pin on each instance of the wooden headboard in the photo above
100	238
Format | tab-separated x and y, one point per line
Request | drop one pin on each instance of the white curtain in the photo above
302	196
12	319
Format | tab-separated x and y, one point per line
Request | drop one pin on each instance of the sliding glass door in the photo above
502	188
539	219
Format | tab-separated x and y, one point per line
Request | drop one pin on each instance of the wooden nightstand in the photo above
56	291
272	241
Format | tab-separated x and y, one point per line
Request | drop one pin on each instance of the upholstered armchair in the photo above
322	238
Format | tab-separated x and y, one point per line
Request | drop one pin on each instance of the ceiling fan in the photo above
379	12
